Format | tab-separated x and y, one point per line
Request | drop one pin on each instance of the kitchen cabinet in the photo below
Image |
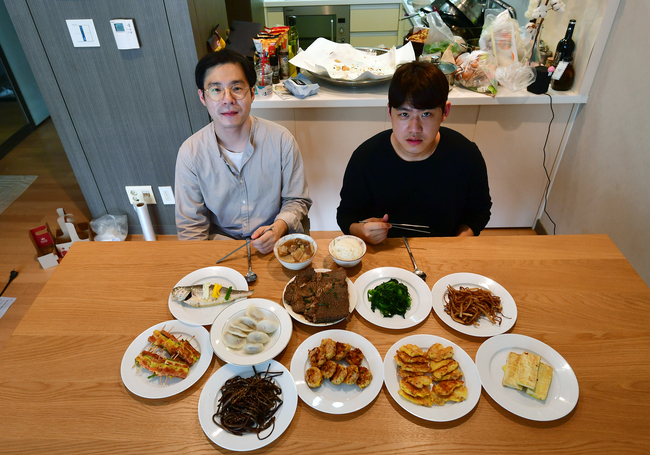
374	25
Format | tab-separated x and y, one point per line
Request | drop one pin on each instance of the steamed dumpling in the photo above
233	341
258	337
244	323
237	332
267	326
253	312
253	348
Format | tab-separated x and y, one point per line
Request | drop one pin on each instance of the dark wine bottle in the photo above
564	73
566	46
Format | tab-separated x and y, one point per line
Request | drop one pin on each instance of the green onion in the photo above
228	293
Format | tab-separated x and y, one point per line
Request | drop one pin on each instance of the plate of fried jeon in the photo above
527	377
432	378
337	371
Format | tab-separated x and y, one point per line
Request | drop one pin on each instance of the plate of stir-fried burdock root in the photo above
473	304
166	359
337	372
432	378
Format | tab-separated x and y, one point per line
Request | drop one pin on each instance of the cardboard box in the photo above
69	232
43	241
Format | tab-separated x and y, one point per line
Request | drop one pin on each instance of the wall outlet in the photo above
167	195
140	194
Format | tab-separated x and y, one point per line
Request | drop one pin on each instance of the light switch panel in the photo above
82	32
124	33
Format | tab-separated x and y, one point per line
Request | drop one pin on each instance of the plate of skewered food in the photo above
474	305
166	359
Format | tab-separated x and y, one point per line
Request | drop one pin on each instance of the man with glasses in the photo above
240	175
430	178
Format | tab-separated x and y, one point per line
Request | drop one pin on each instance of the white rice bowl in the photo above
347	250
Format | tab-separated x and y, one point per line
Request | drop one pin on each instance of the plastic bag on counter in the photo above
439	37
477	72
301	87
110	228
502	38
515	77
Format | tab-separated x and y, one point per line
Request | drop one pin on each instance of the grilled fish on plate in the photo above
207	294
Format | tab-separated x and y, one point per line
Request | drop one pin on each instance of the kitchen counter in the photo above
335	96
282	3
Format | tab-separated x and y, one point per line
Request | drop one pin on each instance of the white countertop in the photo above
377	96
281	3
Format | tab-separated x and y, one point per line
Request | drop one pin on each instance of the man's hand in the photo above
464	231
264	243
374	230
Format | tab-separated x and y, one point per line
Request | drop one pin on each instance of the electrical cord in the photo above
12	275
548	177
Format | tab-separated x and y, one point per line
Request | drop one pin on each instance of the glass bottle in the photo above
293	44
275	68
566	46
564	73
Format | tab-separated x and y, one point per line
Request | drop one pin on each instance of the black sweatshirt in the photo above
446	190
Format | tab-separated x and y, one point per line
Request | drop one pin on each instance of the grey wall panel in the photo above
178	14
31	42
128	107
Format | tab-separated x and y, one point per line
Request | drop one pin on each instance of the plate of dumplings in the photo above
251	332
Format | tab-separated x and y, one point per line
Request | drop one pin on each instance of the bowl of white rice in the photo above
347	250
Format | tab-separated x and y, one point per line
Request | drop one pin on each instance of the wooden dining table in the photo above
61	391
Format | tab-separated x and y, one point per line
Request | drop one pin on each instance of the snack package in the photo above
502	38
477	72
301	87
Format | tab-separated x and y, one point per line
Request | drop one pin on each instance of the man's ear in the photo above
201	97
446	111
388	109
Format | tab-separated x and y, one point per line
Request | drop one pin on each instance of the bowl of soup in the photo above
295	251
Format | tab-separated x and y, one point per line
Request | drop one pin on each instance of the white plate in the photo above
279	339
215	274
137	382
418	290
212	392
343	398
352	292
562	395
451	410
472	280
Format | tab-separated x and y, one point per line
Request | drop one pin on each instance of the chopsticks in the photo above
248	240
406	227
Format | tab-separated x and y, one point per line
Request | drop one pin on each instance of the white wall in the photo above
603	182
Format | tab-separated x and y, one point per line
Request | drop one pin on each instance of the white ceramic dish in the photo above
472	280
343	262
450	411
212	392
418	290
205	316
295	265
352	292
562	395
279	339
344	398
138	382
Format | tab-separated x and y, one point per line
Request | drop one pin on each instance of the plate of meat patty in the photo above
320	297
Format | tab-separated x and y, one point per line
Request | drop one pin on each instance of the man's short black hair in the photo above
419	84
222	57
